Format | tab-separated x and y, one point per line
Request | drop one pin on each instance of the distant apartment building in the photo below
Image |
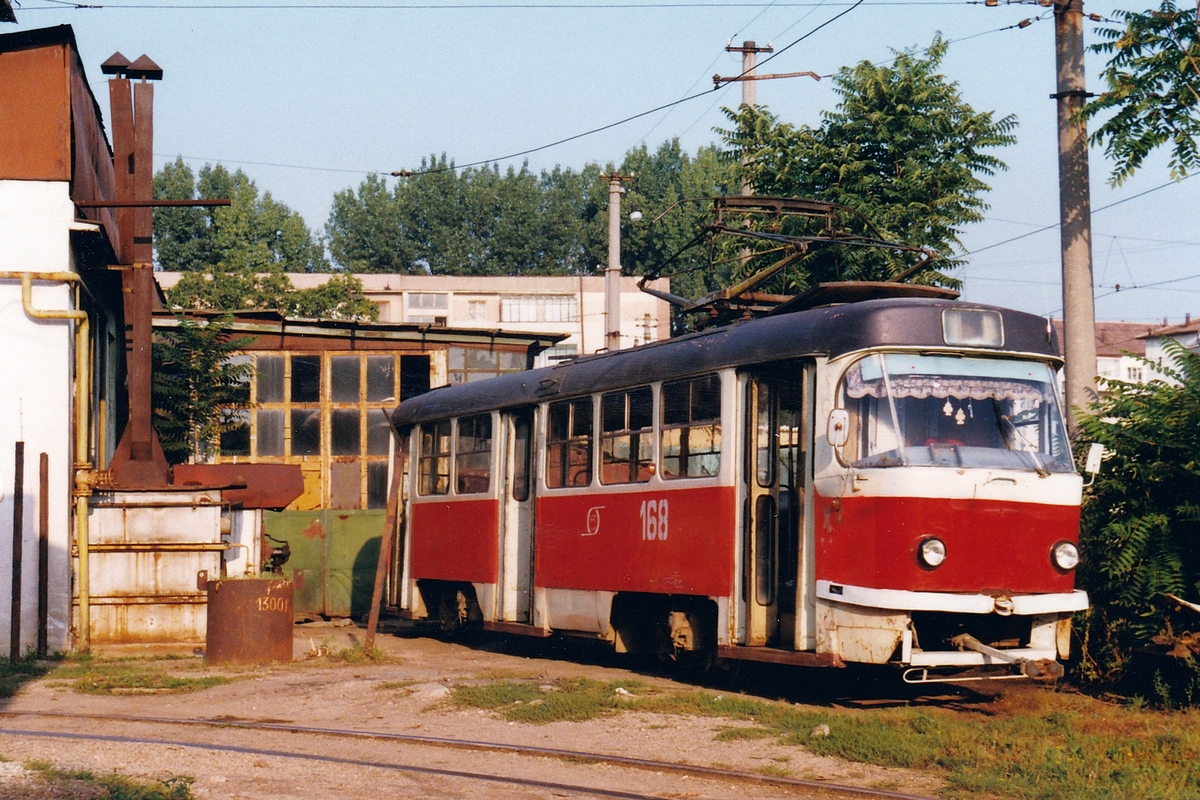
1187	334
1120	346
572	306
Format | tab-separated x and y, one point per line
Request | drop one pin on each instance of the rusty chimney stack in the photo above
139	462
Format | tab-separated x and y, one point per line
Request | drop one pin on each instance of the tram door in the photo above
772	513
517	524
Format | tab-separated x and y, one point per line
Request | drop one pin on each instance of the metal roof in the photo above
827	331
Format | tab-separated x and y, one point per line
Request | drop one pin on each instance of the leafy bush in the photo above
1141	524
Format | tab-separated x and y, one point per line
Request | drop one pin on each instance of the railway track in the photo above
800	786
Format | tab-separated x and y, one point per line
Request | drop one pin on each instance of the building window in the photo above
468	365
626	436
691	428
539	308
477	310
427	308
331	408
434	301
1133	374
234	439
569	443
473	455
553	355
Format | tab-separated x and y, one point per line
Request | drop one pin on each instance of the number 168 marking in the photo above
655	520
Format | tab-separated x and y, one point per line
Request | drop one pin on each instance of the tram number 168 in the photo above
655	520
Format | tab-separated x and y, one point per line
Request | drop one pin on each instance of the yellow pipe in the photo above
83	467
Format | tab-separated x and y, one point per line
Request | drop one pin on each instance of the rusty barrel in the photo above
249	621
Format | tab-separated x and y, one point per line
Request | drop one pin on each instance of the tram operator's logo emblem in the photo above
593	521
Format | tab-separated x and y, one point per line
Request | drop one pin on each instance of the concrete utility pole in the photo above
612	274
1075	209
749	51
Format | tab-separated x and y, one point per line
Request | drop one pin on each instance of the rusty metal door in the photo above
333	558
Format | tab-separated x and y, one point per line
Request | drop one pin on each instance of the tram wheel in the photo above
453	610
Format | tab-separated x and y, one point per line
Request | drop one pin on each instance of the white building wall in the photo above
36	366
1158	354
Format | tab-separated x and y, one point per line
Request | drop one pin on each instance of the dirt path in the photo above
405	695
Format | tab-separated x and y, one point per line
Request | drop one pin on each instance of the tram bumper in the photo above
947	637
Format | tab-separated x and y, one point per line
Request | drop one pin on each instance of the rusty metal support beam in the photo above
394	510
151	203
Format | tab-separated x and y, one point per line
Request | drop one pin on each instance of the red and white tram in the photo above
884	482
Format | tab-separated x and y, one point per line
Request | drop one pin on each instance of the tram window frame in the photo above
473	449
688	408
569	443
627	436
433	461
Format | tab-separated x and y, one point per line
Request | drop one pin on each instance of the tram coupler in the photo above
1044	669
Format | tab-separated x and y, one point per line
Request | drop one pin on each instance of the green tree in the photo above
902	148
475	221
1153	77
488	221
339	297
1141	518
198	385
255	233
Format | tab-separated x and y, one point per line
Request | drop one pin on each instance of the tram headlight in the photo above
1065	556
932	552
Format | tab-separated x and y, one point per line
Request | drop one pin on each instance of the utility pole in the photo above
1074	198
749	51
612	274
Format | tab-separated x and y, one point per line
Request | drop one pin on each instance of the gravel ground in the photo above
314	692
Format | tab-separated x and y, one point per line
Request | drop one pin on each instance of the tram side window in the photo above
433	470
473	455
569	443
691	428
626	436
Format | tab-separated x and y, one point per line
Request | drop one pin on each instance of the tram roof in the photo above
827	331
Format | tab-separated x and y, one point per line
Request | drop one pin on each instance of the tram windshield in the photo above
952	411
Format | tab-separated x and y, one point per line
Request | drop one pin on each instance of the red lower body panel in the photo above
990	545
615	542
455	541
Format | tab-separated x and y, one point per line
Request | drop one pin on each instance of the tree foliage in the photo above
485	221
1153	78
339	297
902	148
236	258
475	221
254	234
198	385
1141	519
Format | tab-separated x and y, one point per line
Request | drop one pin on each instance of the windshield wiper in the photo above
1011	434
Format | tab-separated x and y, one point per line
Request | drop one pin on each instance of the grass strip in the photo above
1031	745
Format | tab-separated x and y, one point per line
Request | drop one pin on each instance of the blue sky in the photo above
307	101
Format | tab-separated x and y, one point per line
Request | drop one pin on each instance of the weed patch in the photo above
90	675
115	787
13	675
567	700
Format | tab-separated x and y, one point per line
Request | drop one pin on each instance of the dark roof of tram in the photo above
826	331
